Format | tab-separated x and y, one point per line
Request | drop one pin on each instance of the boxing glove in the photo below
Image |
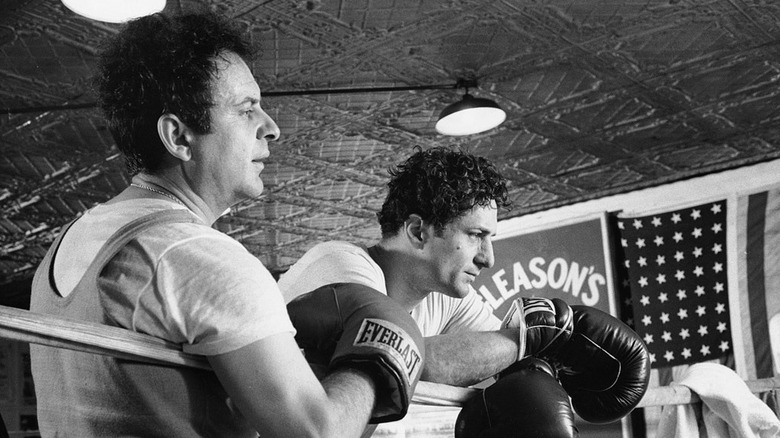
545	324
604	366
353	325
526	401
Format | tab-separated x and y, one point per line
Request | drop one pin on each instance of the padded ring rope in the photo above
25	326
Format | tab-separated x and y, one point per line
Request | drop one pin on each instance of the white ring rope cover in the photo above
25	326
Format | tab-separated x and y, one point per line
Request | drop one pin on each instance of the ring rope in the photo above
26	326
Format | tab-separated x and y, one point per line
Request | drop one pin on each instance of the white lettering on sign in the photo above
580	282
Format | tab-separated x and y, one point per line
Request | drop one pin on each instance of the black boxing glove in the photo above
545	325
604	366
349	324
526	401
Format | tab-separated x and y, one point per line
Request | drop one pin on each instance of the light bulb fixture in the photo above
114	11
471	115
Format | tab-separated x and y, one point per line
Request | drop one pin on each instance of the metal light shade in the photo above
471	115
114	11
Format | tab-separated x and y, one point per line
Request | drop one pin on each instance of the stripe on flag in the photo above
758	242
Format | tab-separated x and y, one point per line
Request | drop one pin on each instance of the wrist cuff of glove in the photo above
515	319
522	331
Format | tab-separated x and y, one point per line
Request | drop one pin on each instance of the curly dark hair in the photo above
439	185
162	65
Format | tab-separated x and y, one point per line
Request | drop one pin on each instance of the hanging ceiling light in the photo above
114	11
471	115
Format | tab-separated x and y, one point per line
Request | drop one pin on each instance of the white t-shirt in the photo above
184	282
343	262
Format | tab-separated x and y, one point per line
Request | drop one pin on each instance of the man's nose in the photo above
268	129
485	258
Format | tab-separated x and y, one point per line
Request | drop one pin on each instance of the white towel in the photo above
679	421
729	409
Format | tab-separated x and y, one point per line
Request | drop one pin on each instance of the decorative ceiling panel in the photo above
602	97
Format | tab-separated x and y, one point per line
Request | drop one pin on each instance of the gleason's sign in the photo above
571	262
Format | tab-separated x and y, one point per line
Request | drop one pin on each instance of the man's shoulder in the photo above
173	238
330	254
331	262
336	245
332	250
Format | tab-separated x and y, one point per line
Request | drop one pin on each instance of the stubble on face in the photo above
463	249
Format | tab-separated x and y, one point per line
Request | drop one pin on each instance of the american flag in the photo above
676	266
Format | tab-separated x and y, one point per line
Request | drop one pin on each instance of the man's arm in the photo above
471	346
532	326
467	358
275	389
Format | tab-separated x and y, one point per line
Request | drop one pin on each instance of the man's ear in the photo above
175	135
414	230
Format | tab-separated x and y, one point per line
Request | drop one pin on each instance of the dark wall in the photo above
16	293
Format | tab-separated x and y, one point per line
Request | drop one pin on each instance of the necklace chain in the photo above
159	192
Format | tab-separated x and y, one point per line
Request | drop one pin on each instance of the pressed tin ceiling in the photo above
602	97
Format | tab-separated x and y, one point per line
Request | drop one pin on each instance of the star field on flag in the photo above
676	263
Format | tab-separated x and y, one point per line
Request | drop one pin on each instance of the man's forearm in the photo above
352	394
467	358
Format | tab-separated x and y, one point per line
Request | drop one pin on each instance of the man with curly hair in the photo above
438	221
